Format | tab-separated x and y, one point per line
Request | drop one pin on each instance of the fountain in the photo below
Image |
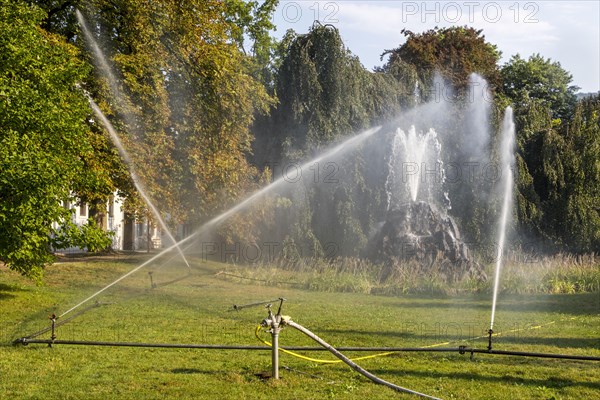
507	137
417	226
415	163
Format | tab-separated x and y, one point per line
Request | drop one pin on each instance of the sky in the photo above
564	31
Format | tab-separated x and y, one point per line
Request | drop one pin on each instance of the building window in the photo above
83	210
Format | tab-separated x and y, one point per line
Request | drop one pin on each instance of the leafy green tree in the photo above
455	52
43	141
187	95
254	20
538	78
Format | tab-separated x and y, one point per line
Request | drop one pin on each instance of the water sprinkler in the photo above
53	335
490	333
259	303
273	322
152	284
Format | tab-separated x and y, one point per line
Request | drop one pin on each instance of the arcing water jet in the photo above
347	144
507	160
105	68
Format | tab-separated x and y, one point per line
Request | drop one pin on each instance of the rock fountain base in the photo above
417	232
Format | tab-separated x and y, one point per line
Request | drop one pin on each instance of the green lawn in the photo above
197	309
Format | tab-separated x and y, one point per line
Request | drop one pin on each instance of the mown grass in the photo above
196	309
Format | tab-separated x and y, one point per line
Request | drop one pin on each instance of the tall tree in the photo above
541	79
187	95
43	140
548	169
455	52
325	93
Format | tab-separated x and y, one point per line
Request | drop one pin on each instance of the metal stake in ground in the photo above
274	322
53	335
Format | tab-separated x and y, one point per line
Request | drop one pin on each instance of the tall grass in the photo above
562	273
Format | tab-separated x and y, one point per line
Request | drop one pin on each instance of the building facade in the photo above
128	233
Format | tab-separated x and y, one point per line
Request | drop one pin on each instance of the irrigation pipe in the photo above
26	341
64	321
461	350
495	334
351	363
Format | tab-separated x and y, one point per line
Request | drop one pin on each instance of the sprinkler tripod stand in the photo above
490	333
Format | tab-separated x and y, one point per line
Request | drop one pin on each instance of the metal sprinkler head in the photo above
152	284
53	335
490	333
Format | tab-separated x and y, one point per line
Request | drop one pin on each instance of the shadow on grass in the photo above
580	343
6	291
552	383
525	337
191	371
120	257
574	304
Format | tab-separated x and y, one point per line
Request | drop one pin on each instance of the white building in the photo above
128	234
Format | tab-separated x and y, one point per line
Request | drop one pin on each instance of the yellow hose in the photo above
292	353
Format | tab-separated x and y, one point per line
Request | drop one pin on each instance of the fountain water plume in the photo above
507	159
103	65
415	168
349	143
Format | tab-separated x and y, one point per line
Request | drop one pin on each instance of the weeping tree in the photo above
558	155
560	191
324	95
581	221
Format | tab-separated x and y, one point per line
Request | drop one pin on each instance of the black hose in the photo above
26	341
352	364
462	349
